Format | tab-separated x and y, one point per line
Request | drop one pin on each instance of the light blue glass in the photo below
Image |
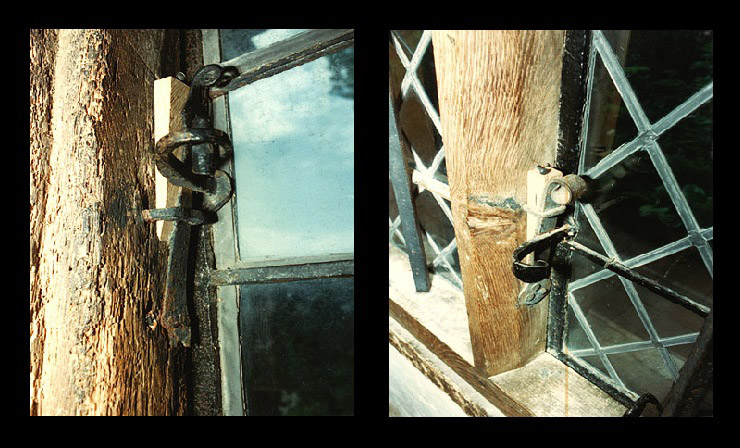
237	42
293	139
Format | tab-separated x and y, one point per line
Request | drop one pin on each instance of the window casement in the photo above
632	116
284	244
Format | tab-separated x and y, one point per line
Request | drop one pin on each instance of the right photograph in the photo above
550	223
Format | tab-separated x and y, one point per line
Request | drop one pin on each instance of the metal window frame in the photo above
231	271
425	177
582	50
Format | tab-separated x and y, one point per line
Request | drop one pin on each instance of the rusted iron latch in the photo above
204	149
548	195
200	140
560	192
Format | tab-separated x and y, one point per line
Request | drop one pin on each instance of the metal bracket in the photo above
548	195
199	139
204	146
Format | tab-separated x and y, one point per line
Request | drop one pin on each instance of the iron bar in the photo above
283	55
400	181
274	274
641	260
629	288
651	285
695	380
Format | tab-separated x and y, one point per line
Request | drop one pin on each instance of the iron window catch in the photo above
204	148
549	193
563	191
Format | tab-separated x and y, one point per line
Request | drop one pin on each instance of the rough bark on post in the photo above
96	267
498	98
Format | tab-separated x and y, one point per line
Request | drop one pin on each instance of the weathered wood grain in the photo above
498	99
436	371
43	54
488	389
100	268
551	389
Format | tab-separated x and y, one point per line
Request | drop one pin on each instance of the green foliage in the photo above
665	68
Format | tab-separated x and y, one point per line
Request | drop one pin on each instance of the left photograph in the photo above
192	222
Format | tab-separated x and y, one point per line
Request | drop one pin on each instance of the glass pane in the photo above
294	158
688	147
666	67
595	362
634	207
609	123
409	40
685	273
298	347
668	318
237	42
643	371
610	313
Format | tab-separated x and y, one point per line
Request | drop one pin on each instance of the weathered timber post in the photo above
96	267
499	101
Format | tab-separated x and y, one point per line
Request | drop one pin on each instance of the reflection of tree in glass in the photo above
665	68
342	66
307	329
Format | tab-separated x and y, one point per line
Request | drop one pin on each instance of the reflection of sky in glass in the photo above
294	157
237	42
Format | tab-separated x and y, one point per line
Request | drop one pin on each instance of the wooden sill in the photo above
430	329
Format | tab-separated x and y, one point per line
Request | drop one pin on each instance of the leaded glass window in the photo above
413	78
647	153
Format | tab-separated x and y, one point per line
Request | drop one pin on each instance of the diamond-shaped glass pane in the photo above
688	147
610	314
668	318
417	114
633	210
632	204
685	273
595	362
643	371
609	122
409	40
664	67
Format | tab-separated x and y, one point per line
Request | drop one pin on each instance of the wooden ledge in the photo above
441	310
551	389
430	330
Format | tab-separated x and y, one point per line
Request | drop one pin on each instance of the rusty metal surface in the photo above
179	174
541	270
272	274
693	390
204	146
284	55
645	282
174	316
192	217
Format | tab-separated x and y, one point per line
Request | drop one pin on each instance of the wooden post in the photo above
498	98
97	268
